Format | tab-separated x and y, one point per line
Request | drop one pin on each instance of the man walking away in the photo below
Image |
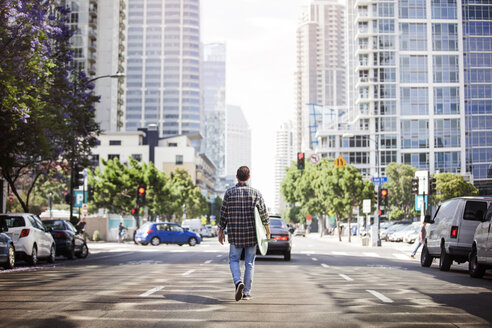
238	215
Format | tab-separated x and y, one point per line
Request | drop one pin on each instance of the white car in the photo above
481	255
32	240
449	236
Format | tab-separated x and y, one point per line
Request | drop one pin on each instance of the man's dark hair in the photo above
243	173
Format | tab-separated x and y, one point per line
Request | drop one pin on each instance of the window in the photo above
449	162
414	134
447	133
413	37
137	157
445	69
474	210
413	69
115	142
418	160
446	100
388	157
444	37
113	156
172	144
412	9
179	159
414	101
444	9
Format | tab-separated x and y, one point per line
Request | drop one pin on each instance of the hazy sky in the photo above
260	38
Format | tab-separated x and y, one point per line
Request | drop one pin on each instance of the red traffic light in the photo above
384	192
141	190
133	210
300	155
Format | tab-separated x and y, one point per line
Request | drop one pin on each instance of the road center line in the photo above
220	255
345	277
188	272
151	291
380	296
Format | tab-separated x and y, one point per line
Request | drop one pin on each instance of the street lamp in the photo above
378	167
114	76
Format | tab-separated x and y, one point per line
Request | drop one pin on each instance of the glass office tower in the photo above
163	79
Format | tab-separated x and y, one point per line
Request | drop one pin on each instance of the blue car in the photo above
156	233
7	250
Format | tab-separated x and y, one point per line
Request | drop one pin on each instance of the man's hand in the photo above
221	236
267	229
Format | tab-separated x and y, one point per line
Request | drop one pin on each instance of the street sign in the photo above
418	202
423	177
78	198
84	209
314	159
366	206
340	162
379	181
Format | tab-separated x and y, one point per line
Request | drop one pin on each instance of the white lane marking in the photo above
402	256
220	255
345	277
325	265
188	272
107	256
208	261
371	254
380	296
338	253
151	291
314	259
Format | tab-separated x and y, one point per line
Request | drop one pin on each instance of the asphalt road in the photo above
326	284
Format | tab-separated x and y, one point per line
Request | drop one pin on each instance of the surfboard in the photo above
261	236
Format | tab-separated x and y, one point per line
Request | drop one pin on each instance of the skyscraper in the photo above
163	80
321	72
285	154
238	141
214	70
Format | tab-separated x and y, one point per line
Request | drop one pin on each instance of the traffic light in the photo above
77	176
141	195
383	197
68	198
376	197
415	186
432	186
300	161
133	211
90	193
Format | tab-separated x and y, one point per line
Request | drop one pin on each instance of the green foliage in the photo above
115	188
399	187
449	185
396	214
293	215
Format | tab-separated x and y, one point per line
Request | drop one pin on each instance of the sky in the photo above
260	38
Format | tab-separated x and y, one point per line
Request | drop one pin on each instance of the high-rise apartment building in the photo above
285	154
422	88
99	44
321	72
163	78
238	141
214	73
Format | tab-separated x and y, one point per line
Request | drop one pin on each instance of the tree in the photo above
449	185
399	187
44	117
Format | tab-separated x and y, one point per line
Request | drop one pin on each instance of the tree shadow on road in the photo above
194	299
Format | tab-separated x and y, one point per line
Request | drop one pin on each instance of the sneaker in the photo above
247	297
239	290
412	256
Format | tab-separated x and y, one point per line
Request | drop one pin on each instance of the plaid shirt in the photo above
238	214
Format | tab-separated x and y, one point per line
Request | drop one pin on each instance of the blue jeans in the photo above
249	264
417	247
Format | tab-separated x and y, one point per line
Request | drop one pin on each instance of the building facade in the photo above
163	79
214	79
321	69
238	141
285	155
422	88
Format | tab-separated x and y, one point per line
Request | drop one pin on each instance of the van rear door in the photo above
472	217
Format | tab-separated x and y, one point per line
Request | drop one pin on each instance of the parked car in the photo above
205	232
384	234
413	234
480	258
32	240
156	233
300	231
7	249
212	229
69	242
401	234
283	238
450	234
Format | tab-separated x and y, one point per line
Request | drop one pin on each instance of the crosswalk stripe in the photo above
188	272
371	254
345	277
338	253
380	296
151	291
401	256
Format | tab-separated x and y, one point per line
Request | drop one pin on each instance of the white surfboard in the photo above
261	236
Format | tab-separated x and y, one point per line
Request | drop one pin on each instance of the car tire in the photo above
180	244
192	241
71	252
144	244
84	251
33	258
445	260
52	257
155	241
425	257
10	258
475	269
287	256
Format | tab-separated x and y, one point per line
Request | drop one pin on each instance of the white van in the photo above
449	235
193	225
481	253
